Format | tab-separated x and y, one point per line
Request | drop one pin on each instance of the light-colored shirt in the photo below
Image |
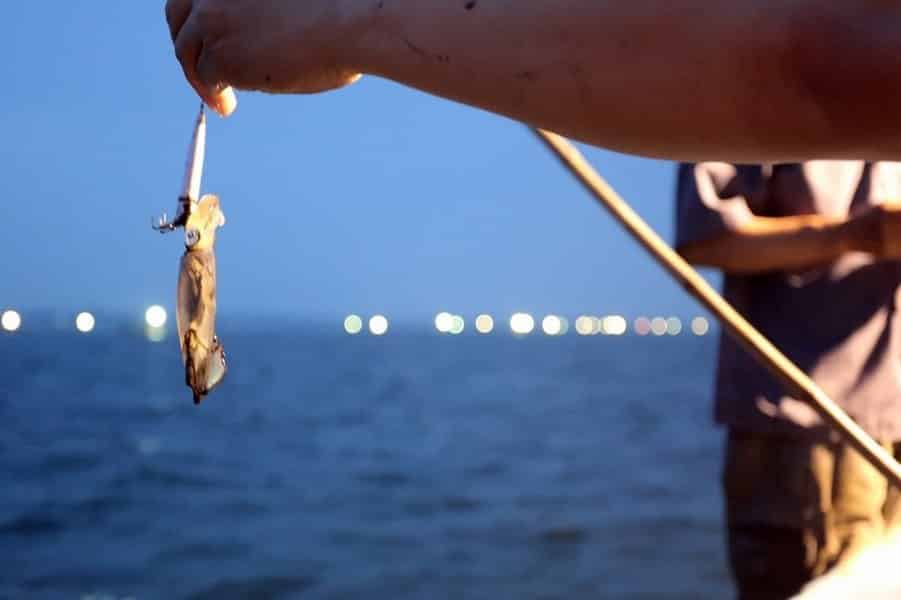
838	322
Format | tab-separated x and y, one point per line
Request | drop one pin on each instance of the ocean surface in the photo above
329	466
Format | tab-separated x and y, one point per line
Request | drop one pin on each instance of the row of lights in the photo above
155	318
446	323
551	325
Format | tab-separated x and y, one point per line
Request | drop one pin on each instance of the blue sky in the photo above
376	198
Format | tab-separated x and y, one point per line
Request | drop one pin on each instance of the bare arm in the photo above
654	77
798	242
775	244
745	81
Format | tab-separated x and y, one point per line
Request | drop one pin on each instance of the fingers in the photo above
210	76
177	12
189	43
200	70
226	101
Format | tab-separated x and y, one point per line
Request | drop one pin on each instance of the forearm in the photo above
633	75
785	243
741	81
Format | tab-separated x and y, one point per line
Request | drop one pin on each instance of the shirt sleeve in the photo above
713	198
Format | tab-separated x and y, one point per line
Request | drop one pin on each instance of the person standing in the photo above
809	253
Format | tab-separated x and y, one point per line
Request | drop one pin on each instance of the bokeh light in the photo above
552	325
658	326
585	325
444	322
700	326
10	321
522	323
378	325
642	326
156	316
457	325
353	324
484	324
614	325
155	319
85	322
674	326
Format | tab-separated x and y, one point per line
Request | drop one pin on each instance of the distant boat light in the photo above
484	324
353	324
642	326
585	325
658	326
85	322
378	325
552	325
522	323
156	316
10	320
674	326
614	325
444	322
700	326
457	325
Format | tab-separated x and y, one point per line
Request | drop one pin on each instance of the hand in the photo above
278	46
878	231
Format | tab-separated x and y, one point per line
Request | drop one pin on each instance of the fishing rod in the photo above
795	380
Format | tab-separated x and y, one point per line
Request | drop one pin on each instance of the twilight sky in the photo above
376	198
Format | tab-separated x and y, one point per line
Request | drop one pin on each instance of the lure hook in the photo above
190	192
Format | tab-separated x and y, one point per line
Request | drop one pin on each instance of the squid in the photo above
203	355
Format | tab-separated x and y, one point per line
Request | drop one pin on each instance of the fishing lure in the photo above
202	353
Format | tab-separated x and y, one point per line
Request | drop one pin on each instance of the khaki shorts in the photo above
795	509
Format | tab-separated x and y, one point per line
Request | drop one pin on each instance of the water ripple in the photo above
258	588
205	550
387	479
31	524
564	535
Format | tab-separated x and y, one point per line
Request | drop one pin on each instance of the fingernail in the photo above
226	102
